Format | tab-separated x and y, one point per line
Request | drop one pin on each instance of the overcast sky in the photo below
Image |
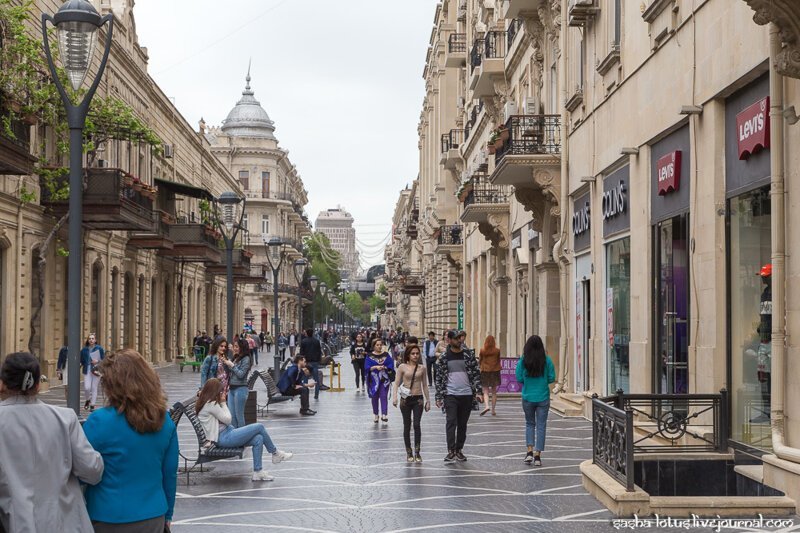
342	81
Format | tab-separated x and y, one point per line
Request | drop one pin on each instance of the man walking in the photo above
293	383
458	382
292	343
429	349
311	349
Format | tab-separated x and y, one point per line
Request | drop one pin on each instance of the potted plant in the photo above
503	133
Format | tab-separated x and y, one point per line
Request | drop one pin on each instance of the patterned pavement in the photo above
349	474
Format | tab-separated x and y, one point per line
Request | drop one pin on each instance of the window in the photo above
265	184
617	22
265	224
244	179
618	313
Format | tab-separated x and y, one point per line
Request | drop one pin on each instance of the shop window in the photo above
750	316
618	314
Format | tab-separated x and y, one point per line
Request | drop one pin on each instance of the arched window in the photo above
96	303
128	320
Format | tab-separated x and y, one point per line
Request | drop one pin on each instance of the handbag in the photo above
404	392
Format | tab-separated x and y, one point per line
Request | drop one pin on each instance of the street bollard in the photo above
339	387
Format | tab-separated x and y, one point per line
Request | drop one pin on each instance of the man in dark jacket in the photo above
458	382
311	349
293	383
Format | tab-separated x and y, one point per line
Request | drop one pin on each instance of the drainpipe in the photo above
777	199
559	249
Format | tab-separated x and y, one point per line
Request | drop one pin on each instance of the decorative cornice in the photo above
786	15
654	9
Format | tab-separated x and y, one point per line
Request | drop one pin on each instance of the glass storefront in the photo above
618	314
749	252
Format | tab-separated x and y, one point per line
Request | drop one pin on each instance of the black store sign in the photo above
615	211
675	202
753	172
581	223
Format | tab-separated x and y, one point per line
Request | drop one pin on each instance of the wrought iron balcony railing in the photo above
531	134
450	235
495	45
473	118
483	192
513	30
452	140
476	55
457	43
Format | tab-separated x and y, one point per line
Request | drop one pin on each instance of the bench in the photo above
195	360
273	394
204	454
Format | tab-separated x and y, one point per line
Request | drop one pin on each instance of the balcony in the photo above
412	230
241	264
581	12
487	60
451	153
194	243
473	119
15	150
456	50
158	238
488	206
411	282
514	8
255	273
534	141
113	200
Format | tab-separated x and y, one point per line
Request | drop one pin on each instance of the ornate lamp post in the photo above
323	290
274	249
76	23
313	281
300	266
232	214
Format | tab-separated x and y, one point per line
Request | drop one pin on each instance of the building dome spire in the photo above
248	118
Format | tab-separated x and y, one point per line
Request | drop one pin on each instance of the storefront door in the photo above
671	362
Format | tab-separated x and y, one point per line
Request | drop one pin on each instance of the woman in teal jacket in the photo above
536	372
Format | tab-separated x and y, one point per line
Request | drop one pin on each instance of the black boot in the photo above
409	455
417	456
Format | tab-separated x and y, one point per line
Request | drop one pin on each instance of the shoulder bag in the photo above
405	392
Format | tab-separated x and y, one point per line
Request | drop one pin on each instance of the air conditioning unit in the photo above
530	106
169	151
510	109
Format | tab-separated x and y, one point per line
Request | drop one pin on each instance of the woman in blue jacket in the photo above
536	372
91	355
139	445
210	367
239	368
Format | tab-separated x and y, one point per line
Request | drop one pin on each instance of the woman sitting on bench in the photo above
212	411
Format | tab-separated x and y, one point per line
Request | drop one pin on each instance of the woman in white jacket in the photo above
212	411
43	455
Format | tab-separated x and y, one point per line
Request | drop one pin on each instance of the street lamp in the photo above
76	23
313	281
323	290
274	249
300	266
232	215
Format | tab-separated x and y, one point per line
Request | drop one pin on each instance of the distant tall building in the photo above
337	225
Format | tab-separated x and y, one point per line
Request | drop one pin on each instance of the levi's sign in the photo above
752	128
668	173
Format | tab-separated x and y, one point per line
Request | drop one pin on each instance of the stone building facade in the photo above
246	145
148	287
625	178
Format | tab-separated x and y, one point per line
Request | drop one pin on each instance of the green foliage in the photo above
26	196
382	290
62	252
325	261
356	306
205	211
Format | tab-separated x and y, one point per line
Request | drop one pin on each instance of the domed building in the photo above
246	144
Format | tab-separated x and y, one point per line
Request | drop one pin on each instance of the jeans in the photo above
237	396
429	362
255	354
90	385
413	405
457	411
361	377
381	394
535	423
315	374
283	353
254	435
303	393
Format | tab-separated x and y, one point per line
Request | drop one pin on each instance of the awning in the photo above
184	190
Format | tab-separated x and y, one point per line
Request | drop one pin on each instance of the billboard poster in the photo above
508	376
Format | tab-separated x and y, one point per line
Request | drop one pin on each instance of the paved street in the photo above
350	475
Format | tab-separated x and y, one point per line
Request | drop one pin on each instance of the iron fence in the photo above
450	235
476	55
495	45
612	441
484	192
531	134
457	43
452	140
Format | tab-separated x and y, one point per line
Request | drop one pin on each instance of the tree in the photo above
325	261
357	306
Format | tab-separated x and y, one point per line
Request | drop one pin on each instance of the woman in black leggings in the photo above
358	352
411	386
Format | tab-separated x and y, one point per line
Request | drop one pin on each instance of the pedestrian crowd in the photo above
83	476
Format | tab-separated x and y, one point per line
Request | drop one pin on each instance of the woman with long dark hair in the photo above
536	372
239	368
379	366
490	373
44	455
214	365
139	445
412	387
212	411
358	354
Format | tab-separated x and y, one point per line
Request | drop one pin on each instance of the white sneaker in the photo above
279	456
262	475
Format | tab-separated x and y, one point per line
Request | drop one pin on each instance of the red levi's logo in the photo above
668	173
752	129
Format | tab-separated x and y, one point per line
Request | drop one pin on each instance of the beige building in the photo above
623	173
151	274
337	225
246	145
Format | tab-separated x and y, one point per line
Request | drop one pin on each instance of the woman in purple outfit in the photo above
379	367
